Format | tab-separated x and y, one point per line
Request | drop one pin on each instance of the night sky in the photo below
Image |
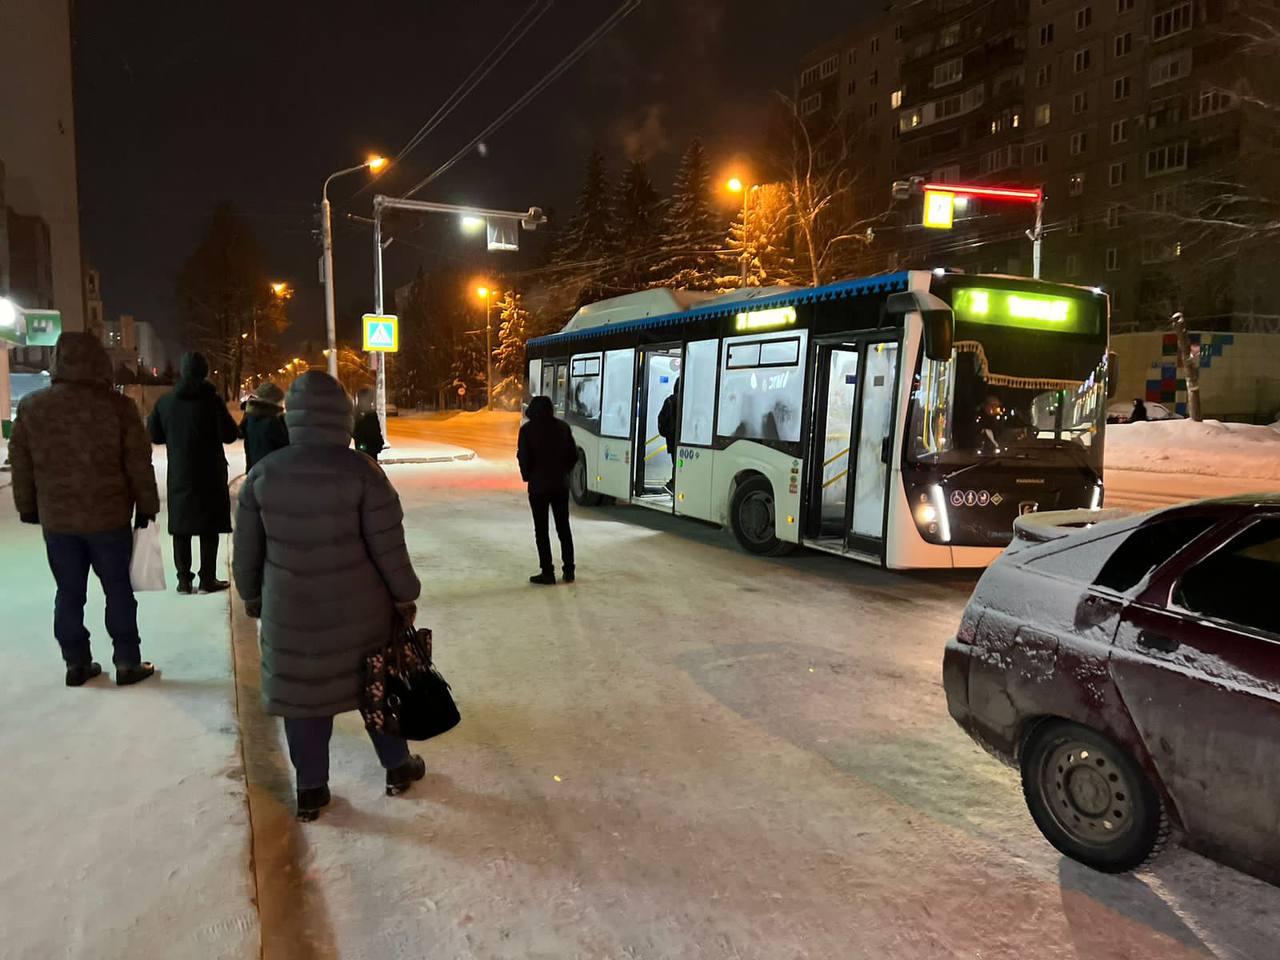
181	105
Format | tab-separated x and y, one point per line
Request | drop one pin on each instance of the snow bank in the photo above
1210	448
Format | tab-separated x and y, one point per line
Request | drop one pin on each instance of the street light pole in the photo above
1036	236
488	349
380	358
326	228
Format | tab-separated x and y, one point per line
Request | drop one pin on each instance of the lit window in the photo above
895	99
1043	114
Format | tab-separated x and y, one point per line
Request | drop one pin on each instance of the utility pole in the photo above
380	358
488	348
330	320
1037	235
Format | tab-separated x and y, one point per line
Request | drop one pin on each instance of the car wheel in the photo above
1091	799
754	520
582	496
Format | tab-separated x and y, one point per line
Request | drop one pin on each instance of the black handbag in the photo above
401	693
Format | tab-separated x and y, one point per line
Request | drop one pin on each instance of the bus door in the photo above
852	443
659	370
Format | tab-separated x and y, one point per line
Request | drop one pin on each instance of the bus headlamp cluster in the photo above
931	513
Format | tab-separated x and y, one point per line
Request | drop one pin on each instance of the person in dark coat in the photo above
263	429
320	557
82	471
367	432
668	426
193	422
546	453
1139	413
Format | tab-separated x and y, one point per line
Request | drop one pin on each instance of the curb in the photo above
467	455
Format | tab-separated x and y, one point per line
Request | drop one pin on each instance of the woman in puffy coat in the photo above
320	557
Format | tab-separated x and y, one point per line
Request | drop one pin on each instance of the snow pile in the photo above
1211	448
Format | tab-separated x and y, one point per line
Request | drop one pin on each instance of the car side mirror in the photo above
1113	374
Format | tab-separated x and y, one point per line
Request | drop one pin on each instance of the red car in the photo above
1130	667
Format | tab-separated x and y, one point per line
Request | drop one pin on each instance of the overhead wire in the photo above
550	77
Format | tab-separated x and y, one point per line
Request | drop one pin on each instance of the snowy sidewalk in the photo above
404	449
125	825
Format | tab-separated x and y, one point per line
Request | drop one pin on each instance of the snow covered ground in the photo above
1211	448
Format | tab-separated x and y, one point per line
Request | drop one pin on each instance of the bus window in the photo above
619	378
548	379
699	389
584	398
535	377
762	386
558	390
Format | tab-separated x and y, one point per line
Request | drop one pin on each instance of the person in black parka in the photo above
367	432
263	429
668	426
546	453
193	422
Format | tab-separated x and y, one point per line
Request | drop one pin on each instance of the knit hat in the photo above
268	392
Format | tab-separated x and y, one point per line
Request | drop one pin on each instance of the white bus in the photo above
903	419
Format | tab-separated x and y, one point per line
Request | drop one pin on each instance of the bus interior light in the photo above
766	319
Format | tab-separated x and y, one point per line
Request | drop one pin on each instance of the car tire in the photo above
582	496
752	516
1091	799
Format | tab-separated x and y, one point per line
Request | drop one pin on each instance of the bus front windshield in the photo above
1012	394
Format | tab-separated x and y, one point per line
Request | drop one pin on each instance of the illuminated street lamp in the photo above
373	164
472	224
484	293
735	185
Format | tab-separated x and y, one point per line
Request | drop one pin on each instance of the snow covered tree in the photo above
638	225
692	229
765	238
508	358
591	231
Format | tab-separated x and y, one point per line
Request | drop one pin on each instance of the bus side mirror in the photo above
939	331
1113	374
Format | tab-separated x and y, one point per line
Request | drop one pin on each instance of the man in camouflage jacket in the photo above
81	466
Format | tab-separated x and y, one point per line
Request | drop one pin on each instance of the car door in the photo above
1197	662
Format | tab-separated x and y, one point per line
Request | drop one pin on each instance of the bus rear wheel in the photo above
754	519
582	496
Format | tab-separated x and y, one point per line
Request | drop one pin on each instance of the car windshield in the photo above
1047	408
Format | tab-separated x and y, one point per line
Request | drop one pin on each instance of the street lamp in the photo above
487	295
374	165
735	185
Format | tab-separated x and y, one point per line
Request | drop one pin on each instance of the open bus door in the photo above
853	421
659	369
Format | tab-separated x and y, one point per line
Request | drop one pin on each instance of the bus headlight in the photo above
938	501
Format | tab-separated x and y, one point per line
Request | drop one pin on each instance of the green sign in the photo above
1018	308
43	327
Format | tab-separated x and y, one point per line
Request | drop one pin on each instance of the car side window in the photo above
1148	547
1236	583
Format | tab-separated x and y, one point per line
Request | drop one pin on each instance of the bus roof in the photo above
617	315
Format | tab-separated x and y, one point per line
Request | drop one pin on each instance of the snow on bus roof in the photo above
645	308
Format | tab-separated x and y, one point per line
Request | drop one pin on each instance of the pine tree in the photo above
691	227
767	241
590	232
509	358
638	225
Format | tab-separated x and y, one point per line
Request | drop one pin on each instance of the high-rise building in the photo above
1129	114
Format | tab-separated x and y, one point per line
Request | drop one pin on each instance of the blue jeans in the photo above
309	749
71	555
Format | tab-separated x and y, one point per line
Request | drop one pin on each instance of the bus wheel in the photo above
582	496
754	520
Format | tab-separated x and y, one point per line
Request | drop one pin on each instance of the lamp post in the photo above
735	185
487	294
373	164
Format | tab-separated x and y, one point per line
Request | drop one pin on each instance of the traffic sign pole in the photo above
380	376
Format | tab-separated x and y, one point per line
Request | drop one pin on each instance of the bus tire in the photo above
754	520
582	496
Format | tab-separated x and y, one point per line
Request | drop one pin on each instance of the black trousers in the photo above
559	504
208	556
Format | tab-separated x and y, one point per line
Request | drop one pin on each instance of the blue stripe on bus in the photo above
883	284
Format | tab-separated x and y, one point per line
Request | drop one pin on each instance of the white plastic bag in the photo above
146	568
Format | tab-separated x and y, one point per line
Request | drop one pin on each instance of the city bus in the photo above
903	419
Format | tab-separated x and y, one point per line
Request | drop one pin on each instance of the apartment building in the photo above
1126	112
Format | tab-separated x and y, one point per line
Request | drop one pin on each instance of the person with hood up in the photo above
367	431
193	422
546	453
263	429
320	558
82	471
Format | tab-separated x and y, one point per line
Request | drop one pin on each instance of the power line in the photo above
596	35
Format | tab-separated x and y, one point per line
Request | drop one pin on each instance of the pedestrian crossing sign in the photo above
381	333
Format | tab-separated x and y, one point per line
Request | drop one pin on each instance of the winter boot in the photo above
127	676
547	578
186	583
402	777
310	803
79	676
213	586
568	575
